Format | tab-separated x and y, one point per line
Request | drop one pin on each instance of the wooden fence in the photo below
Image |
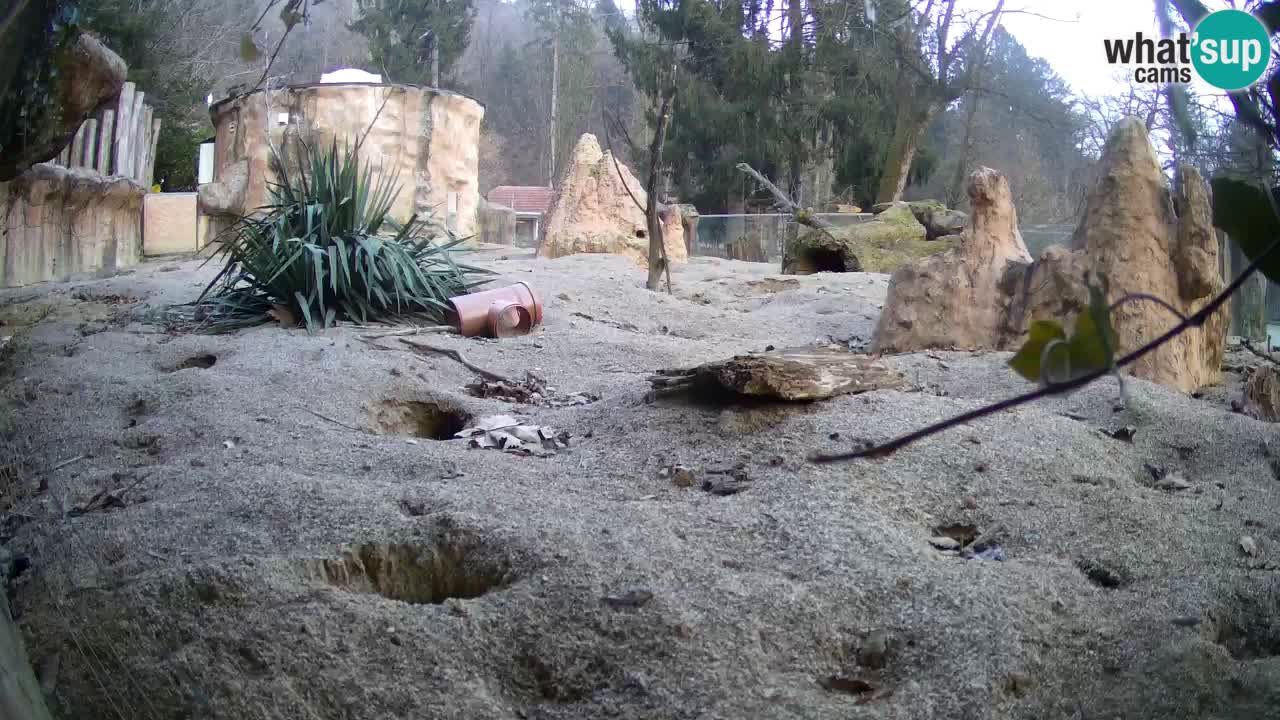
119	141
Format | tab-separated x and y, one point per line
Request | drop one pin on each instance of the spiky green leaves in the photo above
326	250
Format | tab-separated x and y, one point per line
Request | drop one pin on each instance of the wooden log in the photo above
106	141
135	122
151	155
120	151
794	374
145	151
77	147
90	155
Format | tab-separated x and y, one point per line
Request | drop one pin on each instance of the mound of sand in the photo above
266	525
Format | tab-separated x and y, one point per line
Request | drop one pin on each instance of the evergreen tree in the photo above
415	41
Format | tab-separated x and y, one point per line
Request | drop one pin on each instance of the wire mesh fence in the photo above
760	237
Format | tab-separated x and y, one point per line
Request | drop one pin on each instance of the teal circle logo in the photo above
1232	49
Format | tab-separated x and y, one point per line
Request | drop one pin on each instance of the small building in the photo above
426	138
531	203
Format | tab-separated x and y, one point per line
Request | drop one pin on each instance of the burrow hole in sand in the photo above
819	260
452	567
418	418
201	362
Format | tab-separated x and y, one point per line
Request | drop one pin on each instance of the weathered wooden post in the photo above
1249	305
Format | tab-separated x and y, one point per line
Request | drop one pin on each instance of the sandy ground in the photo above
276	542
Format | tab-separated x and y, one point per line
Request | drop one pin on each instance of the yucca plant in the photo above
325	250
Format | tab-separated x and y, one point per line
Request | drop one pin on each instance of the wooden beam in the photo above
90	154
151	155
135	122
106	140
77	147
120	150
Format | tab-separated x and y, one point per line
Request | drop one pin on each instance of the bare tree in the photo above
934	70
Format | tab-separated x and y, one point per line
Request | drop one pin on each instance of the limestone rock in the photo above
890	240
61	221
88	73
227	195
596	211
1143	237
427	139
937	219
497	223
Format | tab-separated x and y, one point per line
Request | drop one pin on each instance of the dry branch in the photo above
802	215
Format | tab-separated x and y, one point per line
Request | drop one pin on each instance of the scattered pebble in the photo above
1124	434
995	553
682	476
724	487
943	542
874	652
632	598
1173	482
1249	546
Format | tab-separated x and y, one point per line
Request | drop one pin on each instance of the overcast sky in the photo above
1069	34
1072	41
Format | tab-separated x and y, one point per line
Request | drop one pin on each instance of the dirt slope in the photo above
477	584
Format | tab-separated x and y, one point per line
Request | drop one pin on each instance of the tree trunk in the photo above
956	192
555	91
912	121
657	247
435	62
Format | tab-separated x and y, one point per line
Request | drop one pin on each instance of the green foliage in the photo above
316	253
746	95
30	43
1050	357
177	151
401	34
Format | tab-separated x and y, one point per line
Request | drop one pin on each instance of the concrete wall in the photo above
170	224
428	138
58	222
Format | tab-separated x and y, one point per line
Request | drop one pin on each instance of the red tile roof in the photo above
524	198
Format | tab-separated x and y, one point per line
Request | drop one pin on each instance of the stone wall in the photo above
428	138
58	222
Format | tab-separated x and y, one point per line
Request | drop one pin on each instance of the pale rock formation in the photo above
428	139
595	213
1144	238
938	220
226	196
62	221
